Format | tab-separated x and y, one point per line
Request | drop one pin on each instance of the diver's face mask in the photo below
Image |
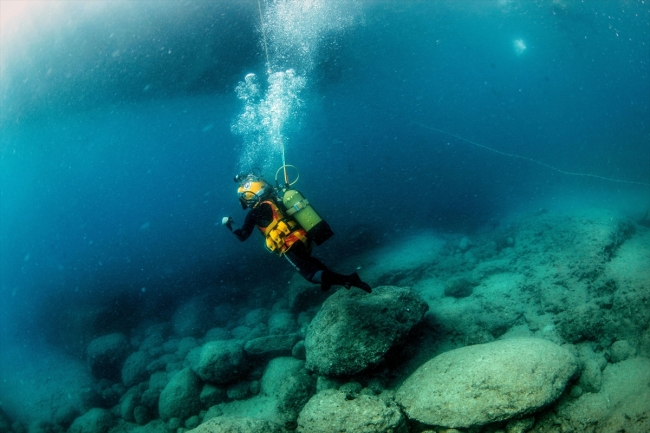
252	190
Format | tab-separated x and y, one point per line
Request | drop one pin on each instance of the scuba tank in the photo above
298	207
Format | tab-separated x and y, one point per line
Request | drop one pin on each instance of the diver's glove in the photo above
227	221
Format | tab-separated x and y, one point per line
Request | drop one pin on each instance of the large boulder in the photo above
354	330
220	362
96	420
333	411
485	383
106	355
181	397
226	424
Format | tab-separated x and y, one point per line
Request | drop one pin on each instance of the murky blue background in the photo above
117	154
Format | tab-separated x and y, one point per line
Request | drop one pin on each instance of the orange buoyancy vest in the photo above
282	232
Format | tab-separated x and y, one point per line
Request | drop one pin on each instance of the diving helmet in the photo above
252	189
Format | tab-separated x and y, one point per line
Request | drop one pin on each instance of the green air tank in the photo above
298	208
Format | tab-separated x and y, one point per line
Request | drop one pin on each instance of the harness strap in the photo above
297	207
282	233
271	226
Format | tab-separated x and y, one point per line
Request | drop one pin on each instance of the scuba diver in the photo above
290	226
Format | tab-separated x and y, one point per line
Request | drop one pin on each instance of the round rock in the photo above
353	330
620	351
134	370
220	362
96	420
485	383
333	411
181	397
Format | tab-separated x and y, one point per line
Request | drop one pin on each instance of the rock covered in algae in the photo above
353	330
334	411
477	385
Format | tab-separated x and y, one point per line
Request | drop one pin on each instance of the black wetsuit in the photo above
299	255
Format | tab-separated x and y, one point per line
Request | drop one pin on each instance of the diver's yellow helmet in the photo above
252	190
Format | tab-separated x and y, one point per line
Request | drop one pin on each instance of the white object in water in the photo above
251	78
519	45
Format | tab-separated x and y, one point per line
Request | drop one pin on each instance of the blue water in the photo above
118	155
